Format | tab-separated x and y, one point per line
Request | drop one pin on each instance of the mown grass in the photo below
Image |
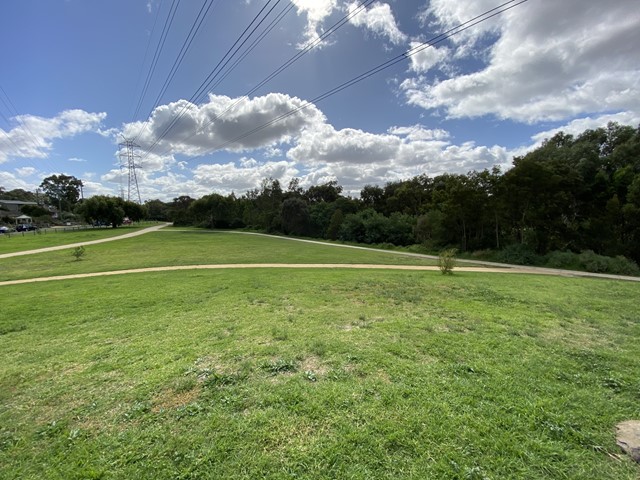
318	374
190	247
21	241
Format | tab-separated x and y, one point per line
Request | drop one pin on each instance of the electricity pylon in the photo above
129	156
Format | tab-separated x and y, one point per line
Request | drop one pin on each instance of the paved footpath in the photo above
82	244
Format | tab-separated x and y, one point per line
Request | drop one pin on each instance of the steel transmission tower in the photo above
129	156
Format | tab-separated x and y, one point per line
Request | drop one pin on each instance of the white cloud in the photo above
424	60
91	188
242	176
379	19
221	124
9	181
78	160
551	61
33	136
356	158
316	12
25	171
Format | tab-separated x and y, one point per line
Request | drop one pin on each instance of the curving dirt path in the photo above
259	265
487	267
81	244
297	266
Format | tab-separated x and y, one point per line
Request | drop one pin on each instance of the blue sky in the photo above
73	72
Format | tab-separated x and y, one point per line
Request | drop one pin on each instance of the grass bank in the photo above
190	247
52	237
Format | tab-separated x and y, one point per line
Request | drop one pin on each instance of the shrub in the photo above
447	261
519	254
78	252
623	266
567	260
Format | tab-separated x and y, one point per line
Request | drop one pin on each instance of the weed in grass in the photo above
447	261
215	379
12	329
278	366
279	334
184	384
78	253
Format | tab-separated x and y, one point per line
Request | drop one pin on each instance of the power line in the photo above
156	56
385	65
129	146
255	43
29	135
228	56
202	14
310	46
146	52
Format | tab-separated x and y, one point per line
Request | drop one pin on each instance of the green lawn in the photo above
21	241
191	247
314	373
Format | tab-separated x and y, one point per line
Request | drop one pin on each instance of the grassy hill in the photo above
309	373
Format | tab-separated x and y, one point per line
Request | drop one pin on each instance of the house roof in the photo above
17	202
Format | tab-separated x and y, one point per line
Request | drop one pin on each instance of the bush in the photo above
623	266
566	260
78	252
590	261
447	261
518	254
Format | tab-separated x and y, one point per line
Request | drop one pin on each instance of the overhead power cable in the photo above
254	44
383	66
146	53
195	27
227	57
156	56
310	46
29	135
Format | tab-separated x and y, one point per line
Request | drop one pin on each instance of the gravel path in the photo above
261	265
487	267
81	244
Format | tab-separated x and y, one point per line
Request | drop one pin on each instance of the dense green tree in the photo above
35	211
63	190
294	216
157	210
104	209
134	211
214	211
326	192
18	194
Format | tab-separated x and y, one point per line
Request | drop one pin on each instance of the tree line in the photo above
572	200
572	194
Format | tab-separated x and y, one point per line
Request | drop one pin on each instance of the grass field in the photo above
312	374
20	241
190	247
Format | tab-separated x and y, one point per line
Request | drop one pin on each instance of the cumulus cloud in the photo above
25	171
551	61
378	19
33	136
316	12
243	175
222	123
10	181
356	158
424	60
